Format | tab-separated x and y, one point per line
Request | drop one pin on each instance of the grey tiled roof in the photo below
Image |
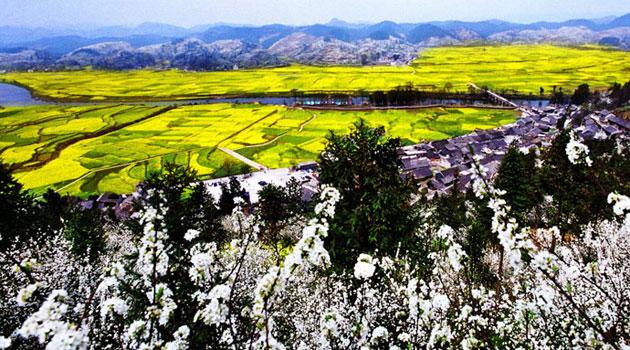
426	161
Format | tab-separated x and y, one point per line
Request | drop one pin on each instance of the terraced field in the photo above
521	68
92	149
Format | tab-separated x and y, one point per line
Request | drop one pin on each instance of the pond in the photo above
12	95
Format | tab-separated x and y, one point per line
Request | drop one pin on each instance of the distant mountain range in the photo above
224	46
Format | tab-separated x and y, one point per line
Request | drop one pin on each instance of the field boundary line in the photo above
301	127
164	110
63	145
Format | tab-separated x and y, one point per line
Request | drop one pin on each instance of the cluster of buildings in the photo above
305	174
440	165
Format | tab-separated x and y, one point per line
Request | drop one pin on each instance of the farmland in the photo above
85	150
523	69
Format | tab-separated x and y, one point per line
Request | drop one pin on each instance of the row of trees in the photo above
616	96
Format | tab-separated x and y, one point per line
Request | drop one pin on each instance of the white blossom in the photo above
364	268
191	234
5	343
114	306
577	152
26	293
379	334
621	203
180	341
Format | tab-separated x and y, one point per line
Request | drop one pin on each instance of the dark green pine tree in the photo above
22	220
375	211
187	205
229	192
581	95
85	230
276	208
517	177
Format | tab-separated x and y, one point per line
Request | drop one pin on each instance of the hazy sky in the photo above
193	12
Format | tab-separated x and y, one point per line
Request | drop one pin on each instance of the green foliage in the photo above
581	95
471	218
24	221
553	192
229	192
517	177
85	230
183	205
580	192
276	208
620	95
375	211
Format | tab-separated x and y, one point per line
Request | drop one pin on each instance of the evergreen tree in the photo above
185	205
375	211
580	192
229	192
22	222
581	95
276	207
517	177
85	230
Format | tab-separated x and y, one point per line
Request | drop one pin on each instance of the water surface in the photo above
13	95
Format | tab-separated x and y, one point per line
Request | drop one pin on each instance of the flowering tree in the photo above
175	284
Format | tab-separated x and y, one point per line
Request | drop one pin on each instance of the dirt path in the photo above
243	159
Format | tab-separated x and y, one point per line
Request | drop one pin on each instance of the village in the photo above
437	165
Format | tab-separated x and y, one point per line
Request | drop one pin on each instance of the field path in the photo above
243	159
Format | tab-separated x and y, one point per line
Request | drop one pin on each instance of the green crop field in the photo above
521	68
85	150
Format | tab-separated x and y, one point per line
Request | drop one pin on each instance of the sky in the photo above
188	13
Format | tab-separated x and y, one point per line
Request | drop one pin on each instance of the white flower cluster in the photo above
26	293
180	341
513	240
215	311
152	253
621	205
478	176
150	268
47	323
364	268
5	343
310	248
559	293
202	260
454	253
577	152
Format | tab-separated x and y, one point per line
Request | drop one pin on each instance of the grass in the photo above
518	68
116	161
